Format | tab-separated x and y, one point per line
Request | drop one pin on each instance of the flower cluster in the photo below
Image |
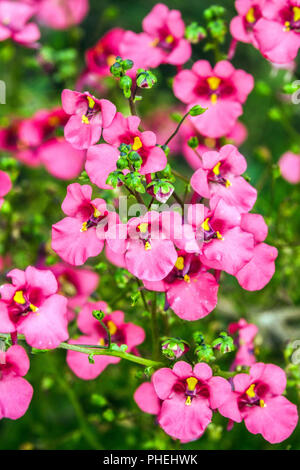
180	251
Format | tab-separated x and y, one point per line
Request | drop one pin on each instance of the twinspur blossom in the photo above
219	178
245	334
102	158
257	400
277	32
5	185
191	291
162	41
289	164
14	23
88	116
31	306
33	141
236	137
103	55
62	15
222	90
76	284
15	392
183	398
75	238
242	26
94	334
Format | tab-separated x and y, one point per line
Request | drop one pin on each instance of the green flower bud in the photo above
193	142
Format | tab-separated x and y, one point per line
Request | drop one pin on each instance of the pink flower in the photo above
75	237
258	271
15	392
88	117
225	245
191	291
219	178
162	41
61	159
62	15
5	185
245	334
102	56
102	158
75	284
277	32
257	399
187	397
249	12
289	165
236	137
148	243
222	90
14	17
32	307
94	334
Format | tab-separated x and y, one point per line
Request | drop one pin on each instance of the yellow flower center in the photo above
296	11
84	227
179	263
19	297
97	213
187	278
213	83
155	42
205	225
216	169
169	39
147	246
54	121
251	392
262	404
250	17
214	98
137	144
85	119
91	102
102	342
111	327
143	227
191	384
111	59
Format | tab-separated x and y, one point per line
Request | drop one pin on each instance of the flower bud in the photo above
174	348
145	79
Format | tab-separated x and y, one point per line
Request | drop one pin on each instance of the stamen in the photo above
91	102
155	42
216	169
262	404
33	308
137	144
205	225
296	11
214	98
85	119
250	392
188	401
187	278
228	183
143	227
19	297
219	236
250	17
191	383
84	227
97	213
287	26
169	39
147	246
213	82
179	263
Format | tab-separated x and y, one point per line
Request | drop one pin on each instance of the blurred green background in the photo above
66	412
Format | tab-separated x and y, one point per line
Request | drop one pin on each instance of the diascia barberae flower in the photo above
168	259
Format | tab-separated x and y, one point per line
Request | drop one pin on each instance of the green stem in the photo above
177	128
97	351
180	176
154	327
